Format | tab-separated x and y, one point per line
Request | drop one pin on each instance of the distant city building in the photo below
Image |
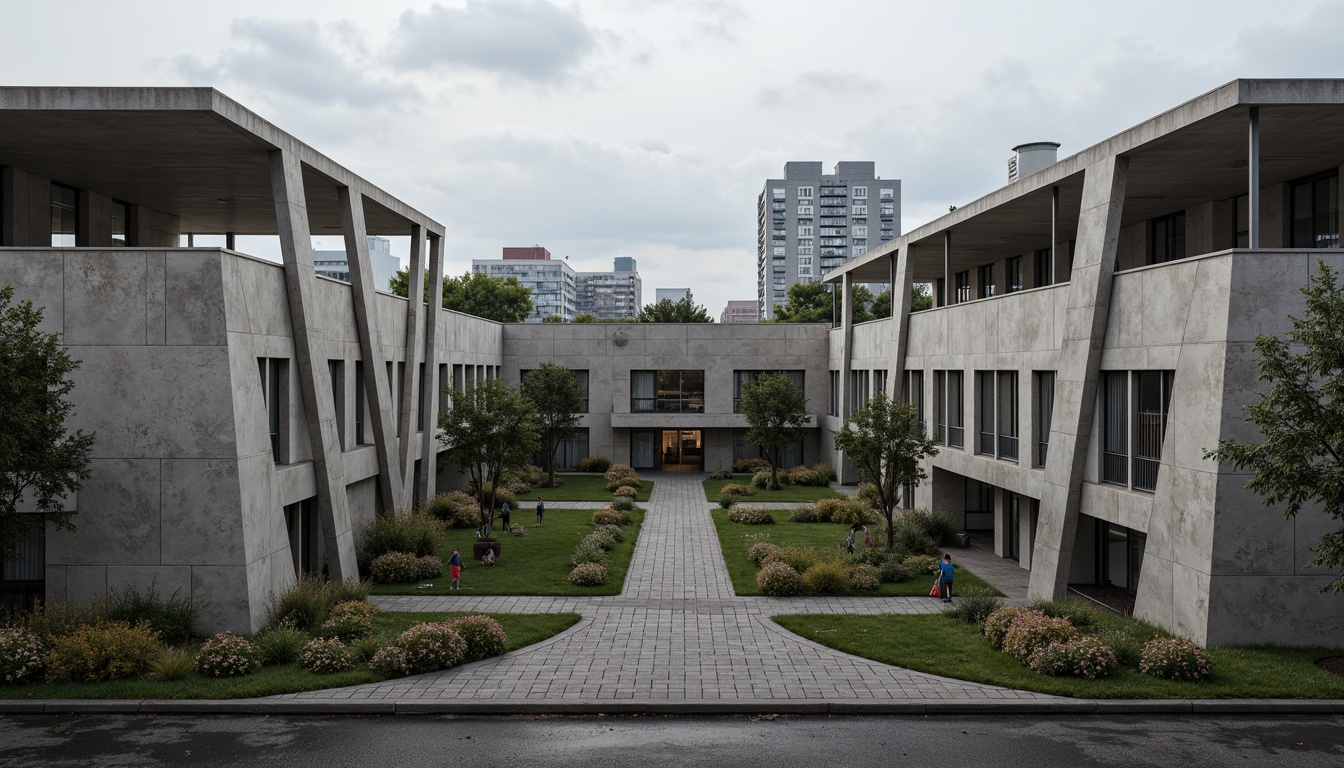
552	281
614	295
739	312
334	264
809	223
671	294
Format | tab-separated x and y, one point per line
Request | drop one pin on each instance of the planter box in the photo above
478	549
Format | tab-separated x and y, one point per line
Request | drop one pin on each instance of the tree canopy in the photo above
491	428
555	395
503	299
807	303
1297	461
886	441
776	412
41	462
668	311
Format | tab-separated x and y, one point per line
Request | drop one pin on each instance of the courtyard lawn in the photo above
579	488
735	538
521	629
942	646
535	564
798	493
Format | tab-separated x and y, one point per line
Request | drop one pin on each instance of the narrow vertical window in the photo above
956	422
1115	424
1007	415
359	402
336	369
1043	412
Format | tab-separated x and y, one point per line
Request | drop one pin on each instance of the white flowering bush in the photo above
1030	631
482	636
611	531
22	655
326	655
750	514
1086	657
402	567
1175	658
762	551
864	578
777	579
227	655
391	661
588	575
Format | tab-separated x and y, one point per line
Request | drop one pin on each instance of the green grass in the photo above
798	493
942	646
735	538
521	629
535	564
579	488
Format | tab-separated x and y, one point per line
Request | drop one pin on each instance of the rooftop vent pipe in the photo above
1030	158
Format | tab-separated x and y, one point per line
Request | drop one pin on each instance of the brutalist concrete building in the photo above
1091	340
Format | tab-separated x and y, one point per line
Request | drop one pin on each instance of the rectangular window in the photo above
860	192
1316	211
1168	238
805	231
1044	272
1241	222
912	392
275	391
996	421
804	191
336	370
984	389
834	409
887	194
420	412
940	406
1007	415
667	391
64	215
742	377
858	389
119	217
956	411
1152	397
1013	274
804	210
860	210
963	286
568	452
1042	413
777	193
986	281
880	382
1115	427
359	403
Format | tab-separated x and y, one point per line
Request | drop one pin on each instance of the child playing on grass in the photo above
455	566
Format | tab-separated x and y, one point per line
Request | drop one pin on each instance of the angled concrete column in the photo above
429	399
844	470
377	391
902	283
291	218
1076	378
409	404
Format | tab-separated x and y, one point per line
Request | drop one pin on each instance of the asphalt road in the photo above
614	742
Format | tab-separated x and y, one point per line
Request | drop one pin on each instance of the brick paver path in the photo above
675	634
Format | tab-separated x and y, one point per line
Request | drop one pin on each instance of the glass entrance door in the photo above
683	449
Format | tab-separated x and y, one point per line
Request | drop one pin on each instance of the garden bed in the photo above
576	487
787	493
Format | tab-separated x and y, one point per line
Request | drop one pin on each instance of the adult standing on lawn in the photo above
945	578
541	510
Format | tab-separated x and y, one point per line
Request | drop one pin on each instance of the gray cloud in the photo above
809	85
529	39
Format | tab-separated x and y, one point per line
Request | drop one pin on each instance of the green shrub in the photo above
588	575
750	514
825	473
610	516
1126	638
1033	630
404	567
746	466
455	509
804	476
1174	658
625	492
416	533
306	604
998	621
868	492
798	558
761	551
911	537
738	489
365	648
174	617
623	504
326	655
974	605
612	531
594	464
874	557
111	650
921	565
864	578
761	479
227	655
588	551
620	474
49	622
854	512
171	665
1086	657
827	578
280	645
722	474
350	620
1078	612
942	529
803	513
777	579
22	655
430	647
893	571
727	500
602	540
829	510
482	637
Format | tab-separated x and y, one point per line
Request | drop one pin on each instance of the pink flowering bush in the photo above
588	575
350	620
998	622
482	637
21	655
391	661
1035	630
325	655
1086	657
1175	658
402	567
430	647
777	579
864	578
227	655
750	514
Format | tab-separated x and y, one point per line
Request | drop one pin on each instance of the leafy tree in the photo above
668	311
886	442
555	394
39	458
861	305
776	411
585	317
881	306
503	299
921	297
490	429
807	303
553	319
1301	418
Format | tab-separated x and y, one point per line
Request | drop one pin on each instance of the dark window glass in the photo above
956	423
1115	423
984	387
64	216
1043	413
1007	415
1316	212
940	406
1152	396
1044	273
963	283
986	281
1013	275
1168	243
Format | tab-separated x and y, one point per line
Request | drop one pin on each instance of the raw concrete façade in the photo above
252	415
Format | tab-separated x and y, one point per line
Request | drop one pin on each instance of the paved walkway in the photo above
676	634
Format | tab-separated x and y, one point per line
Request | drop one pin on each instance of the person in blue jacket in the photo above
945	578
455	566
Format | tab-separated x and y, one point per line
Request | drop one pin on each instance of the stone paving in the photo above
678	634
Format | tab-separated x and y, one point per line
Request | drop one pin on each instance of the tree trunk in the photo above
550	461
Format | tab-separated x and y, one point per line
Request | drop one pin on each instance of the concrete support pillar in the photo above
291	216
409	404
377	389
1054	233
947	268
846	342
1077	374
429	444
25	208
1253	178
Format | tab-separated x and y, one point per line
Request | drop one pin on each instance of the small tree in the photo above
39	459
1301	418
808	303
776	411
668	311
502	299
555	394
886	442
491	428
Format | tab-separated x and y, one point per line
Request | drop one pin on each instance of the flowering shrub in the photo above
779	580
737	489
762	479
621	475
750	514
456	509
21	655
798	558
588	551
893	571
827	578
325	655
803	513
831	510
106	651
401	567
864	578
1085	656
759	552
588	575
612	531
390	661
921	565
998	622
227	655
742	466
602	540
1175	658
804	476
350	620
1035	630
610	516
430	647
626	492
482	636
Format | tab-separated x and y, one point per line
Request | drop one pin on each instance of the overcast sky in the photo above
646	128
